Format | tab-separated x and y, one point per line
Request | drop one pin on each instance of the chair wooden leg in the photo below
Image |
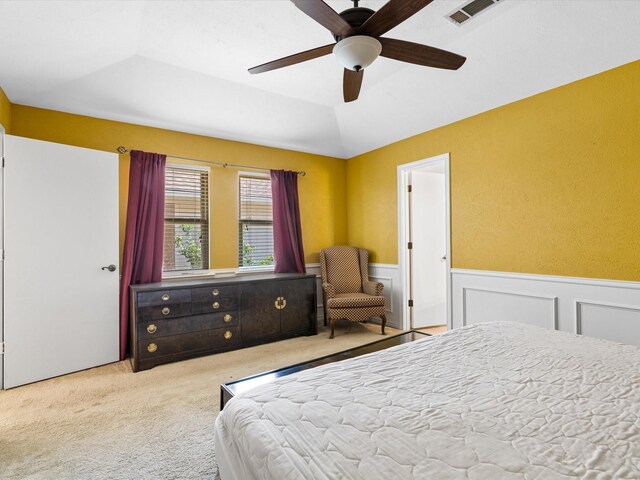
324	310
332	324
384	322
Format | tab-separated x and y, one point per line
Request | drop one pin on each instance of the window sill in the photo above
195	274
218	273
251	270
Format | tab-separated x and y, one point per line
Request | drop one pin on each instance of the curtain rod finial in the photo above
302	173
122	149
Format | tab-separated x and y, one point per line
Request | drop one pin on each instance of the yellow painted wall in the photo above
548	185
5	111
322	190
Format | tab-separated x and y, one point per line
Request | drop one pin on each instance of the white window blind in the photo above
256	222
186	218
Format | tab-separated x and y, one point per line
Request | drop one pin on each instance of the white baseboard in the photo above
607	309
387	274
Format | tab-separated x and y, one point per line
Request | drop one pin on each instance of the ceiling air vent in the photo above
470	10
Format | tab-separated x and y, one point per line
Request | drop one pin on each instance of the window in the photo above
186	218
256	221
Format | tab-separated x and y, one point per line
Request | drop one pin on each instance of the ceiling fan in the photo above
359	42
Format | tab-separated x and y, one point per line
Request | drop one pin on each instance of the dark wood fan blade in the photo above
391	14
325	16
293	59
420	54
351	84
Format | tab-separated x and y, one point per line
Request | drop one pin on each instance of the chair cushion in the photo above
343	269
354	300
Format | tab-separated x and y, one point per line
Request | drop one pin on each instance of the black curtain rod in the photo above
123	150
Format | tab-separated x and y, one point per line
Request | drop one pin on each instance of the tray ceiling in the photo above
183	65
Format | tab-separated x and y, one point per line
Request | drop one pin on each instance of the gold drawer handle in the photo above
280	303
152	328
215	292
227	318
228	335
166	311
152	347
216	305
165	297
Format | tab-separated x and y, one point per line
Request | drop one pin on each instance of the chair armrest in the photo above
329	290
372	288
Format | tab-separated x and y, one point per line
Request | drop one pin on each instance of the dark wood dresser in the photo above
180	319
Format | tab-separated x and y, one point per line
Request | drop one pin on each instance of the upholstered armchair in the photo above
347	291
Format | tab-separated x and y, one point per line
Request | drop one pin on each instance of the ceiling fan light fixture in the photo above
357	52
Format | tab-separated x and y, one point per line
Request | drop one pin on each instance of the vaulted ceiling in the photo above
183	65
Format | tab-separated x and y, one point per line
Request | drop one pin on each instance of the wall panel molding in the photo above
612	321
550	278
546	316
601	308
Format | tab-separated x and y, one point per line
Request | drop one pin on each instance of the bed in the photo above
488	401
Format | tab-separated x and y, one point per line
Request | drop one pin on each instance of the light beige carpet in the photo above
110	423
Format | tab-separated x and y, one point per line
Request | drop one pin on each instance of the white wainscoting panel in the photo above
619	323
479	305
606	309
315	268
386	274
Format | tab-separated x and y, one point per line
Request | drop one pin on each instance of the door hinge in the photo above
411	303
409	188
1	348
2	162
2	254
410	245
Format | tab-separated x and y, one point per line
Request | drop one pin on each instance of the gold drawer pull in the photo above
215	292
165	297
228	335
166	311
227	318
152	328
280	303
216	305
152	347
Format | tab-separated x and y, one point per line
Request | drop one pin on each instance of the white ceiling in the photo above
183	65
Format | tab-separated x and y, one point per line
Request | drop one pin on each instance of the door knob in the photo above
111	268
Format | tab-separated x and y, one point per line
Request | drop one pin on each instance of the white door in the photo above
60	229
429	249
1	261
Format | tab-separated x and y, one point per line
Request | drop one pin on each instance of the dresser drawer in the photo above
213	292
163	311
196	323
164	297
223	304
189	342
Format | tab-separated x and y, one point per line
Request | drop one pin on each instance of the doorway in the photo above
424	242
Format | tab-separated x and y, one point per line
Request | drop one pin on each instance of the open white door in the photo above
429	253
424	227
60	230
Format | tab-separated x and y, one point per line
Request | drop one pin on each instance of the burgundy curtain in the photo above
142	253
287	231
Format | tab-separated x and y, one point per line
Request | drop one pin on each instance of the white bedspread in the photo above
490	401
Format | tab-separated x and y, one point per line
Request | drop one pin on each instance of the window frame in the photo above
241	222
206	202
